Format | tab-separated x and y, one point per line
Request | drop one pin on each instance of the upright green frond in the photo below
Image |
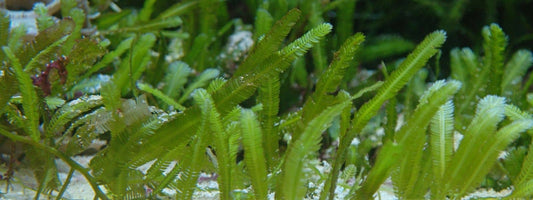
523	190
78	15
82	56
515	69
458	71
30	100
222	147
304	43
270	43
44	55
146	11
44	39
494	46
216	84
110	56
269	97
399	78
8	86
15	36
392	85
514	113
441	143
489	112
239	88
131	68
192	163
502	139
292	180
175	78
44	20
71	110
200	81
169	101
430	102
263	22
111	96
526	169
254	156
411	137
331	79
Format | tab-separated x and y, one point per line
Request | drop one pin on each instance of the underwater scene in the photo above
266	99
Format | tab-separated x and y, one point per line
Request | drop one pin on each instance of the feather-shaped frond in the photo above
14	115
81	57
441	143
239	88
233	92
513	162
95	122
30	102
168	100
222	147
411	137
163	179
132	67
470	61
175	78
458	71
263	22
503	137
71	110
392	85
514	113
405	177
200	81
475	86
44	20
268	96
430	102
331	79
494	46
345	116
523	190
399	78
192	166
489	112
109	57
526	171
304	43
8	85
270	43
515	69
44	39
292	180
78	16
254	156
216	84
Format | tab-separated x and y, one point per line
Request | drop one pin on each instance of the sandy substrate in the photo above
23	186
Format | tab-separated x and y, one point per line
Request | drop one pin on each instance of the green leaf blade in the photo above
254	156
29	96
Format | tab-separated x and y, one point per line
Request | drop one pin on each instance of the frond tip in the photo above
301	45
